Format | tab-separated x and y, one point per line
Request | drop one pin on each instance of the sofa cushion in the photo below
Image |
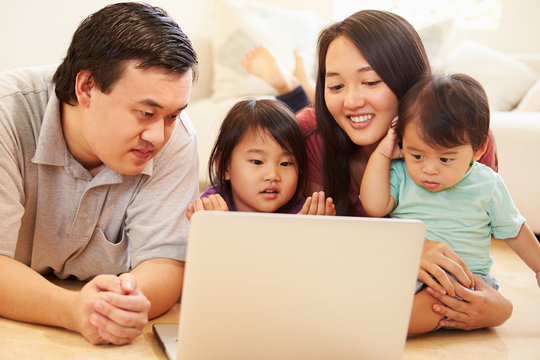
531	100
505	79
239	25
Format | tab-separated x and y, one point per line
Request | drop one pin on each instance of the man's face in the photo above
127	127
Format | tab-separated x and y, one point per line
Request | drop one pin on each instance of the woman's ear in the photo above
83	87
480	150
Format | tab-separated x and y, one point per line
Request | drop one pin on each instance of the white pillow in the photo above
531	100
239	25
435	38
505	79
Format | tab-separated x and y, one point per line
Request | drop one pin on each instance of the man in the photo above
97	168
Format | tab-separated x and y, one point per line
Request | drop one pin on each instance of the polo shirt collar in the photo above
52	149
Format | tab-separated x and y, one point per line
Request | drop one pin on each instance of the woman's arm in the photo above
437	262
481	307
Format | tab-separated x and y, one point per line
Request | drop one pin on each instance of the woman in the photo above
366	63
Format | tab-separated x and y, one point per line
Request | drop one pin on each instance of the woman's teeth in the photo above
359	119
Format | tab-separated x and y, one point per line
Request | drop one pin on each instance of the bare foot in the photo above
301	74
261	62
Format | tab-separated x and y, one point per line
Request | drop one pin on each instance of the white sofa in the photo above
516	132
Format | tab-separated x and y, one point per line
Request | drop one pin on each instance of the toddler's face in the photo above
263	176
438	168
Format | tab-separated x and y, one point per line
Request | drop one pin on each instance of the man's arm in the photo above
27	296
161	281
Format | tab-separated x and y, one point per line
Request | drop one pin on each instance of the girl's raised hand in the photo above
213	202
318	204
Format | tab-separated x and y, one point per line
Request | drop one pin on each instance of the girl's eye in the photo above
256	162
287	163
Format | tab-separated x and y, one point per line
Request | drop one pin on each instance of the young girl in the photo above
258	164
443	126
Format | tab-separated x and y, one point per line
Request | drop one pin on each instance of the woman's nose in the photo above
355	98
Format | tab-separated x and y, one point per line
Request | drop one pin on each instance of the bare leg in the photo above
423	319
261	62
300	73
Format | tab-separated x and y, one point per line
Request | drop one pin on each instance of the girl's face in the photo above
263	176
360	102
438	168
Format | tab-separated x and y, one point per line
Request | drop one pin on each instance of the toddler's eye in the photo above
287	163
445	160
256	162
418	157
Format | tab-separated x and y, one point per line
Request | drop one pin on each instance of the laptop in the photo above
278	286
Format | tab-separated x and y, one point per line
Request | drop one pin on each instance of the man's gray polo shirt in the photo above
57	218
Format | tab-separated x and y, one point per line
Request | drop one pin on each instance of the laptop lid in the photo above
277	286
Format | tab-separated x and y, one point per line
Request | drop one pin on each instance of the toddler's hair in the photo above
449	110
266	116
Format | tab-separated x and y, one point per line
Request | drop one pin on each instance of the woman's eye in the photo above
147	114
372	83
335	87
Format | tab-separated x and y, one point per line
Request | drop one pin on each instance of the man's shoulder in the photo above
26	80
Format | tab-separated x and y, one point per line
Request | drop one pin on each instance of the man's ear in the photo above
83	87
480	150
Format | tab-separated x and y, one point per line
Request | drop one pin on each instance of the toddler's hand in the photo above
389	147
212	202
318	204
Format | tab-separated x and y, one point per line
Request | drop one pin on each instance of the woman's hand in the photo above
481	307
437	261
318	204
212	202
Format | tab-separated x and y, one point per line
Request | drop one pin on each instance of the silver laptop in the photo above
274	286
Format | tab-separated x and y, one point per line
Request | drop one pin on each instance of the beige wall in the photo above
518	32
28	37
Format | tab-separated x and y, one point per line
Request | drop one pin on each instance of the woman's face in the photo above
360	102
